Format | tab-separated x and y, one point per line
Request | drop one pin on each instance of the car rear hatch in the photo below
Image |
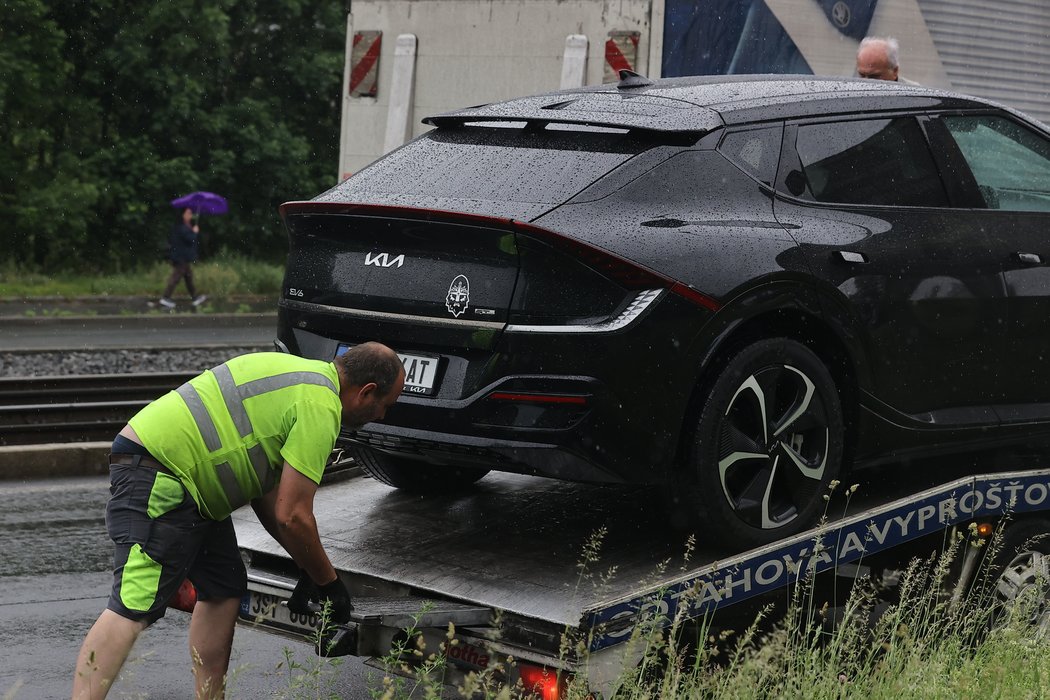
397	270
428	249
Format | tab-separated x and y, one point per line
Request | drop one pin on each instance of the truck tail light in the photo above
544	683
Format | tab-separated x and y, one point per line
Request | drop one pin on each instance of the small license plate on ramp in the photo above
267	610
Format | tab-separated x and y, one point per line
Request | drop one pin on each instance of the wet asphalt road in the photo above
54	581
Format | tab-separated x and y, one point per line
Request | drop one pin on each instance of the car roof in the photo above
701	104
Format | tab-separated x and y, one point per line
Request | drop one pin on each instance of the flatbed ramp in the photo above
517	561
512	543
516	543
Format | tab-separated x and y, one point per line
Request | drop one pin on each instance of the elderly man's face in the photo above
873	63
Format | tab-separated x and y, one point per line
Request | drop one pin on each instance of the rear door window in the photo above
755	151
1010	162
869	161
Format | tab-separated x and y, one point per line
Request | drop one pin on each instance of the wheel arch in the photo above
802	323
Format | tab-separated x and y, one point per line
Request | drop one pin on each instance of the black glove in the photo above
336	593
305	592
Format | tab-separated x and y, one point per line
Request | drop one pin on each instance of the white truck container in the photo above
407	59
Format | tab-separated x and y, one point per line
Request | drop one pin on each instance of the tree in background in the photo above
113	108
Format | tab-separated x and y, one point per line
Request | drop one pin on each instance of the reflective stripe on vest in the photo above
234	395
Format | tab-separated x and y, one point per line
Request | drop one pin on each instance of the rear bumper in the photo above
517	456
612	400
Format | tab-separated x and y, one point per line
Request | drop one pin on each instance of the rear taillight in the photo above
544	683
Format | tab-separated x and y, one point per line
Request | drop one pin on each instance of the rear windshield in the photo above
494	164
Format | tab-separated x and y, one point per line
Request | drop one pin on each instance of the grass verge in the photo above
220	276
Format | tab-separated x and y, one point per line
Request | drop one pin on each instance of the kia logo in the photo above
384	260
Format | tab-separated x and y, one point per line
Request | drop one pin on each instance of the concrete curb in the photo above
245	319
51	461
89	459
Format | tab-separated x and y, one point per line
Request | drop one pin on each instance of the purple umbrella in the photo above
201	203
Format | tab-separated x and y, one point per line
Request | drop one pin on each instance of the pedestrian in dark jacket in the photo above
183	247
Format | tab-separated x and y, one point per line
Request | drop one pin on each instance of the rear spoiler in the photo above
655	116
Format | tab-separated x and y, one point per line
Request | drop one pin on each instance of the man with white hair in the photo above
878	58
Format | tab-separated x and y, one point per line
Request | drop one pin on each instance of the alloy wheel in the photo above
773	449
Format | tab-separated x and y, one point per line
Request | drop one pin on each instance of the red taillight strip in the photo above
626	272
537	398
393	211
699	298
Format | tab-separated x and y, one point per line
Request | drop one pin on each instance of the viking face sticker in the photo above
458	296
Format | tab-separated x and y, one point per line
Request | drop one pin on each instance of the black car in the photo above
735	286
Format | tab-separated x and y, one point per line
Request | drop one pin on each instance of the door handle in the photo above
1029	258
851	257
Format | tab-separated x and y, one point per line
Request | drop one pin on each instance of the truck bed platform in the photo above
516	544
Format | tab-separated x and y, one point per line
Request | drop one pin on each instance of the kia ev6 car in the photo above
738	287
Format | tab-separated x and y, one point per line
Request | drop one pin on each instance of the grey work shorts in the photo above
161	540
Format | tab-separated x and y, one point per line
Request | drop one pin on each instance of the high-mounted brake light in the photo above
538	398
545	683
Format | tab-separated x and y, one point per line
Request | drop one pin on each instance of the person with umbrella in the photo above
183	243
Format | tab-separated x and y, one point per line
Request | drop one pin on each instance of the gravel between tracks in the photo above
39	364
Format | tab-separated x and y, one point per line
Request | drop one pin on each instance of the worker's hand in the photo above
336	593
305	592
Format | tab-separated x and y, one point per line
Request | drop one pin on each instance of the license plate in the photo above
420	371
268	610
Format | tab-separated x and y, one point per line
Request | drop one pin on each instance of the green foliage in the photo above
111	110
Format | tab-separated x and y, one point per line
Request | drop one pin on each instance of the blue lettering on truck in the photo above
838	543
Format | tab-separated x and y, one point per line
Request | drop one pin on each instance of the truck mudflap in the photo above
373	624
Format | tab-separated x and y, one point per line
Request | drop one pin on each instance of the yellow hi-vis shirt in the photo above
227	432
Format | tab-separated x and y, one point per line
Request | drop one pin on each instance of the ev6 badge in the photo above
458	296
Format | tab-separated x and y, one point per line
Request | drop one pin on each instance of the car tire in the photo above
768	443
415	476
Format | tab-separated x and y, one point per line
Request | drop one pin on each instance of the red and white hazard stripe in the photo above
364	64
621	53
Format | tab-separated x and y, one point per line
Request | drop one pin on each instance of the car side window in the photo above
755	151
1010	163
870	161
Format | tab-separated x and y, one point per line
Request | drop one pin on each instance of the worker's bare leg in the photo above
211	639
103	652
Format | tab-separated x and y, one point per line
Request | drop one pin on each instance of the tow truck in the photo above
520	564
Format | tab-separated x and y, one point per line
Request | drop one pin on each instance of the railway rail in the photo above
76	408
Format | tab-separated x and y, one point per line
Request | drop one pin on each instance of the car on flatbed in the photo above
738	287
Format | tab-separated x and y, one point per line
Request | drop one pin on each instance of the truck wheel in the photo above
410	475
1022	566
768	443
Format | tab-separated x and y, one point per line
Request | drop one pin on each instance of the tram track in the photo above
76	408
